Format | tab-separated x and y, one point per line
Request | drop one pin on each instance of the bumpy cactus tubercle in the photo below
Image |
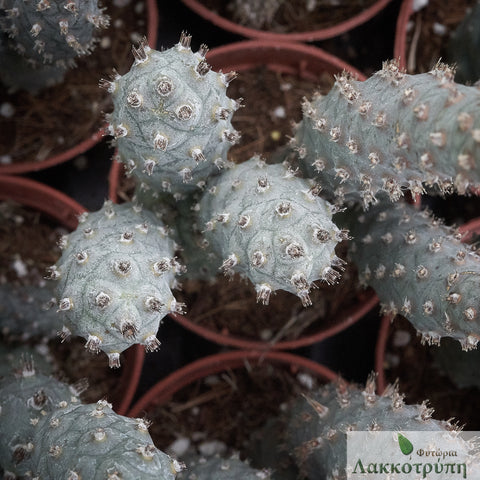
271	227
432	276
171	117
389	133
115	277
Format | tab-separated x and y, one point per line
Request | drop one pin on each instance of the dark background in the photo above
352	352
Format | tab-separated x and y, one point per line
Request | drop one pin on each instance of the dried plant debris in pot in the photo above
219	413
271	102
429	30
282	16
28	244
37	127
427	380
74	363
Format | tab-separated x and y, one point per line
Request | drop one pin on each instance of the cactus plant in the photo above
423	271
26	312
271	227
48	433
27	398
171	117
114	279
391	133
218	468
362	144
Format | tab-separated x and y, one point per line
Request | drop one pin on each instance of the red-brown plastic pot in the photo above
308	62
310	36
400	44
65	210
95	137
163	391
469	228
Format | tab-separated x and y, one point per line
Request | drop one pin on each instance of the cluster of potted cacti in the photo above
344	176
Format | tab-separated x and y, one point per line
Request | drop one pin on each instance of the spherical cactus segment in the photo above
317	425
171	117
419	268
26	399
271	227
115	277
389	133
92	441
53	32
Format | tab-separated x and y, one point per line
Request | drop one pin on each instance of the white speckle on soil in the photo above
212	447
306	380
7	110
20	268
401	338
179	447
439	29
279	112
419	4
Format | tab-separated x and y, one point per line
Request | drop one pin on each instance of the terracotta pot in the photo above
400	44
163	391
95	137
410	20
471	227
307	62
321	34
65	211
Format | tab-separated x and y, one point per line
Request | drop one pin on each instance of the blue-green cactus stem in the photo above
317	425
27	397
28	312
420	269
92	441
390	133
53	32
115	278
271	227
171	117
218	468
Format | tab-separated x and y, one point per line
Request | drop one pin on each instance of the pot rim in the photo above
163	390
308	36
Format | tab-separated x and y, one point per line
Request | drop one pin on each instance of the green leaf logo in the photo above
405	444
